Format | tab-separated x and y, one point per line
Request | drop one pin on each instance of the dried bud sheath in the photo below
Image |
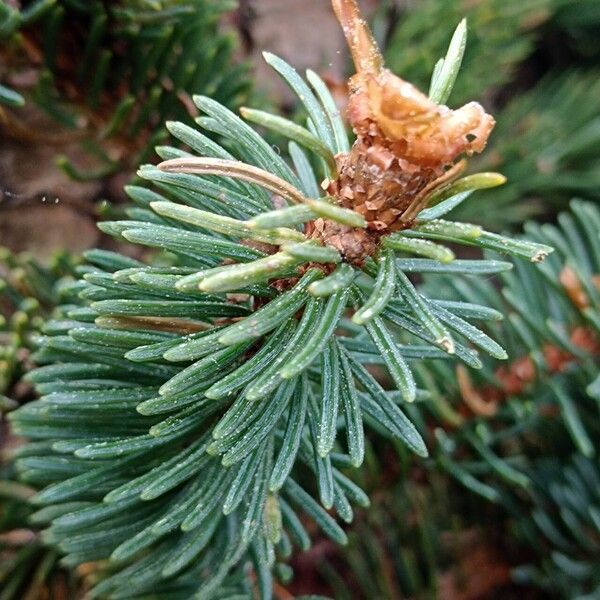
406	146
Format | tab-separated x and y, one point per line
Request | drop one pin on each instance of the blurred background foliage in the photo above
113	73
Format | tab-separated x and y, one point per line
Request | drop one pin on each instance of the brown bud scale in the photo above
406	146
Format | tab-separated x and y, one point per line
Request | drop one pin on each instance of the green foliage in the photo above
199	414
551	333
522	438
563	526
547	144
579	22
28	570
501	35
27	295
10	97
191	407
544	405
115	72
394	548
